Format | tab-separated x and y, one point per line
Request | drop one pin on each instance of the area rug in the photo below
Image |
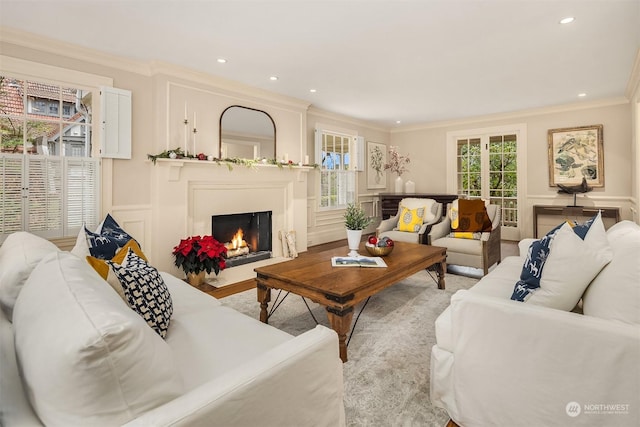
386	379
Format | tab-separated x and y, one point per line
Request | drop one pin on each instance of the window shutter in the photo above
82	176
45	195
11	193
357	156
318	147
116	123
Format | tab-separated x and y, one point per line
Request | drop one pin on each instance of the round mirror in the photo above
247	133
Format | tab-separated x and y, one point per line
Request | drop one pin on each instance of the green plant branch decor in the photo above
229	162
169	154
355	217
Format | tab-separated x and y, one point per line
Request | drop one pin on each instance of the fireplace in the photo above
247	236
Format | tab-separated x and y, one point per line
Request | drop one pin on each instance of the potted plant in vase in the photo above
197	255
355	220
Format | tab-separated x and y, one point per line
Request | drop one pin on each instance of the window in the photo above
337	179
49	184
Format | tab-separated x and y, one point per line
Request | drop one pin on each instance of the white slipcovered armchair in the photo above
478	253
431	214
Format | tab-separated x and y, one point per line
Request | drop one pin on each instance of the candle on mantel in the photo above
195	130
186	128
286	157
306	159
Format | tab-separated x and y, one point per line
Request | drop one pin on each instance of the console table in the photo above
389	201
609	215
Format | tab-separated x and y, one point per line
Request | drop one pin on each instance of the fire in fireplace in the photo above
247	236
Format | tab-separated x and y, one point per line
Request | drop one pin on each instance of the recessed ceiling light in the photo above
312	90
222	61
582	95
398	122
273	78
567	20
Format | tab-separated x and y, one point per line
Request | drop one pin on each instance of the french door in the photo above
487	166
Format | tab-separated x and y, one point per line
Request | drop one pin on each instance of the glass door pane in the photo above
469	167
503	177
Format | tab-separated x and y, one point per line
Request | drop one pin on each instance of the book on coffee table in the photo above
361	261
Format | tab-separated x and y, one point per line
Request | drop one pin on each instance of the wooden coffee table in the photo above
339	289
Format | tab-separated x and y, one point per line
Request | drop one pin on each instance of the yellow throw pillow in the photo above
454	214
465	235
411	219
102	268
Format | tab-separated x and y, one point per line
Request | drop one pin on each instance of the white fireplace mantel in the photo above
188	192
176	165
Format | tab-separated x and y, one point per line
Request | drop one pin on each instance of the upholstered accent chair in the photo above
478	250
413	221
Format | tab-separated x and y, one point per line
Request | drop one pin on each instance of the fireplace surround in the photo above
247	236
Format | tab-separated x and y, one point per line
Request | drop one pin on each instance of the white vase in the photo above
399	184
409	187
353	239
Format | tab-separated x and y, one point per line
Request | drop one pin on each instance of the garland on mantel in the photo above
229	162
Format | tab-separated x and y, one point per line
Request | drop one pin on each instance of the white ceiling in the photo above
414	61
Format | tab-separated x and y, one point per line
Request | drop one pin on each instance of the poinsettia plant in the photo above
200	253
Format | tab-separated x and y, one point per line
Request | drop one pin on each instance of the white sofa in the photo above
499	362
73	353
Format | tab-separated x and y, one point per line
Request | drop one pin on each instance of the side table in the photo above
609	215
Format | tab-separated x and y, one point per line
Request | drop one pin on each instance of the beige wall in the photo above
634	91
132	188
427	145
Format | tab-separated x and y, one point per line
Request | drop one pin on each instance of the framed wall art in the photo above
376	158
575	153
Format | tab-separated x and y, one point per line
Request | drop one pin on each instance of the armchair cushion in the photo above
465	235
411	219
430	207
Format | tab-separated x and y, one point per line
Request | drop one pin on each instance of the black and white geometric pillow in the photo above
145	291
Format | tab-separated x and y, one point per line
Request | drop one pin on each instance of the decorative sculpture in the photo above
583	187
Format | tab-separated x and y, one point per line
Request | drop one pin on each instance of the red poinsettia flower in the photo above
184	247
210	248
195	254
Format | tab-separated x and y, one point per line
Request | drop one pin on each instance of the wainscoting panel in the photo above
136	220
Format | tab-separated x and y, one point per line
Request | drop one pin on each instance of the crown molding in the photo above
345	119
149	69
69	50
517	114
230	87
633	86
